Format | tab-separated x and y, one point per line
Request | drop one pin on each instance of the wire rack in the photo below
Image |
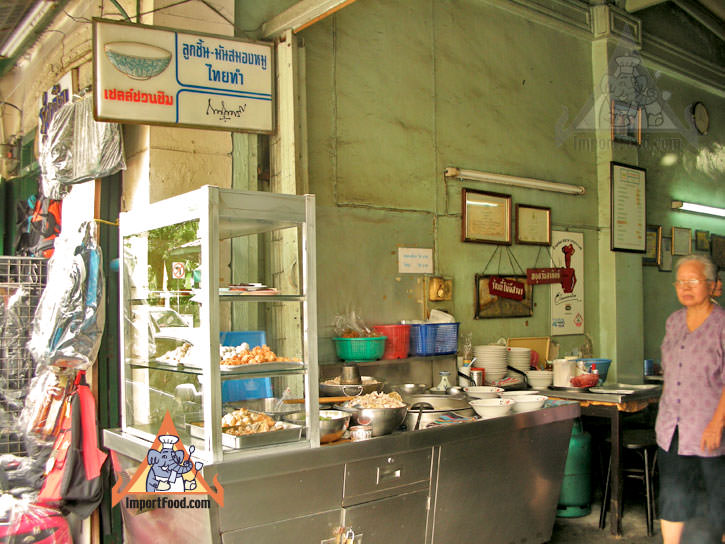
22	280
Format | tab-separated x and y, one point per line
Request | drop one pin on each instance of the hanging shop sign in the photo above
540	276
160	76
51	100
567	298
506	288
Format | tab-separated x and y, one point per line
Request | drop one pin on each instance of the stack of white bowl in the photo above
520	359
492	357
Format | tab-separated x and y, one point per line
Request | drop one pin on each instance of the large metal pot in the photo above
420	417
369	385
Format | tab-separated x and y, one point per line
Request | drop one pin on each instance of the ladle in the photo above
420	406
526	378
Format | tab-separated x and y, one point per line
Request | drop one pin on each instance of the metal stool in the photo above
640	441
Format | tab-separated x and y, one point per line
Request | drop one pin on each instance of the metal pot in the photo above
418	418
369	385
332	423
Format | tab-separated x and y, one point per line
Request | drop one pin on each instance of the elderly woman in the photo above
692	408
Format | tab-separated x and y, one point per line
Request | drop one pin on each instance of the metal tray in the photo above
571	389
255	368
289	433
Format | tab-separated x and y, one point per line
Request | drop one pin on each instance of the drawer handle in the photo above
384	475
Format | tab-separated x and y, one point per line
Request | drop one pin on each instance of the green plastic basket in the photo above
360	349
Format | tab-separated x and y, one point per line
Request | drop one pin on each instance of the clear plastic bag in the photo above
23	521
69	320
352	326
79	149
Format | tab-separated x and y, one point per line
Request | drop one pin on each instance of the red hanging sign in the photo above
506	288
538	276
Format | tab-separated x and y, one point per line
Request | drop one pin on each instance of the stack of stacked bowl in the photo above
492	357
520	359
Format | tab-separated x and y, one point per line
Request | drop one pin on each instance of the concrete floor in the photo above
585	530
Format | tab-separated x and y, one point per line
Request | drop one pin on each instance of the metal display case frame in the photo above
223	214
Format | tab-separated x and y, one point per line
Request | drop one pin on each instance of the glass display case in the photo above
218	321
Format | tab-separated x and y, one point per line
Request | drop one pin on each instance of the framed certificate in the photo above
653	252
533	225
627	209
486	217
666	260
681	241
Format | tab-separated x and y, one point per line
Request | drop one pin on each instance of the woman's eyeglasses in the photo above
681	284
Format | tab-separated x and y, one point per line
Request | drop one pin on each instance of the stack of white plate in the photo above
520	359
492	357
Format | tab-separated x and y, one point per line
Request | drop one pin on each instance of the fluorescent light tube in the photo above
529	183
697	208
26	26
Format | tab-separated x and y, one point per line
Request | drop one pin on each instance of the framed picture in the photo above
626	122
533	225
702	240
666	260
493	306
486	217
717	248
681	241
653	250
627	208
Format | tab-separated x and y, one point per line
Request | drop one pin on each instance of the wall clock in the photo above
700	117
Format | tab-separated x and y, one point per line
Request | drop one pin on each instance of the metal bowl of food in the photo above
406	389
332	423
425	409
382	420
333	387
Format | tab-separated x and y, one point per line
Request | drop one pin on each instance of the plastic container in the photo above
360	349
247	388
602	366
398	342
433	338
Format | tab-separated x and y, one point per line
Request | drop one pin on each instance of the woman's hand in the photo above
712	435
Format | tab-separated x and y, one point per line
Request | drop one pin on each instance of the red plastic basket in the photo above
398	342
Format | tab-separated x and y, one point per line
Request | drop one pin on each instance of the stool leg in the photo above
648	494
605	498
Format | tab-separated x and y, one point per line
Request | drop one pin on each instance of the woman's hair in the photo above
708	267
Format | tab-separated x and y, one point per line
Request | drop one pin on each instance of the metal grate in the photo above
22	280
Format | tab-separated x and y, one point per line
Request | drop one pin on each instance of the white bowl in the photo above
526	403
515	394
492	407
482	391
540	378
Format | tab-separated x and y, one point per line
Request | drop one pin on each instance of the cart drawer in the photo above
388	475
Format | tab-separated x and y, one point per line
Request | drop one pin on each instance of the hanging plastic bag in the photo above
22	521
69	320
79	149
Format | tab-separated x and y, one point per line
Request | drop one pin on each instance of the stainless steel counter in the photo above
494	480
617	393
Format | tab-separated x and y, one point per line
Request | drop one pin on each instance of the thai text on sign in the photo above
539	276
506	288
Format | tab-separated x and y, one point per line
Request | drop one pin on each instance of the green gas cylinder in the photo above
576	490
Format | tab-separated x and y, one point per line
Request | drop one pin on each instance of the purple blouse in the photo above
694	370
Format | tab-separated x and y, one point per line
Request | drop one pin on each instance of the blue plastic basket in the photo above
248	388
433	339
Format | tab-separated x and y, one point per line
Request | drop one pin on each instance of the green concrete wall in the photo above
681	165
398	91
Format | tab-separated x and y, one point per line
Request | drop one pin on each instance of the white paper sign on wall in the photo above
153	75
413	260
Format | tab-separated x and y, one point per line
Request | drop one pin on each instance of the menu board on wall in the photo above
153	75
627	209
567	297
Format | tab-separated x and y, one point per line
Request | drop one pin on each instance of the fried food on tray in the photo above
242	422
